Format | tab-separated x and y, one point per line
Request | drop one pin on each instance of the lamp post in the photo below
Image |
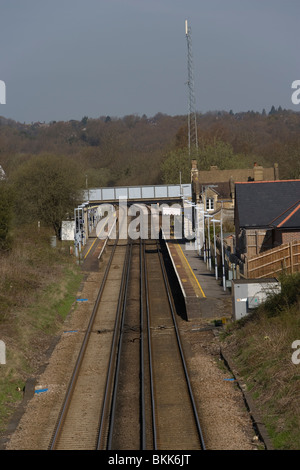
222	248
209	251
200	240
204	238
215	247
222	252
208	235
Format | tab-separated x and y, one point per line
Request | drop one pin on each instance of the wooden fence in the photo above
284	258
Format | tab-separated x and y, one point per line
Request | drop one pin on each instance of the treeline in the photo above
238	140
47	163
131	150
110	151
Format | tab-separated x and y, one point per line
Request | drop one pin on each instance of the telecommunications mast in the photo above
192	121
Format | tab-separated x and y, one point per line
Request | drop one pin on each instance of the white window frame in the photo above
210	204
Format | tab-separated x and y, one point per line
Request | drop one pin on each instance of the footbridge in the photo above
149	193
97	202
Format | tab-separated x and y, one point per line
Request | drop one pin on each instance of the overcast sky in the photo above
65	59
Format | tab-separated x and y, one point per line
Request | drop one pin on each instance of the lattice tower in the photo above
192	119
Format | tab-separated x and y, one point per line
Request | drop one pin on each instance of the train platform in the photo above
90	254
204	295
92	250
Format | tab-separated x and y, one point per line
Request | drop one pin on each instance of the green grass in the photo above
45	316
261	347
38	287
9	396
55	302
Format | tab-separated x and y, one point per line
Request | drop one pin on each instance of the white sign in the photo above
67	230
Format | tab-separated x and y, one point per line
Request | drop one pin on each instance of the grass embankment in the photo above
38	285
261	346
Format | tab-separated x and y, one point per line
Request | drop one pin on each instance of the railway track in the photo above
130	388
174	412
78	423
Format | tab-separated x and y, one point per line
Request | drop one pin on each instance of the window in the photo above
209	204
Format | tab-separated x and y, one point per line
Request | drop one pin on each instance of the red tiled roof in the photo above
289	217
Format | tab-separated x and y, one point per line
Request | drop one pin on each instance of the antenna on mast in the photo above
192	121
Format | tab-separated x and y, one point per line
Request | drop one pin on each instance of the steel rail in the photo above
152	395
143	442
119	347
181	349
78	363
100	444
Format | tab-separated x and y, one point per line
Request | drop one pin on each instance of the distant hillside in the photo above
131	150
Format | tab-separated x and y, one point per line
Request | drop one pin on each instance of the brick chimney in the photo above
258	172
